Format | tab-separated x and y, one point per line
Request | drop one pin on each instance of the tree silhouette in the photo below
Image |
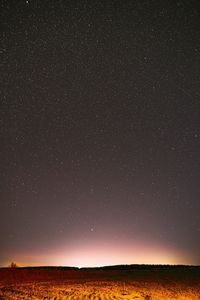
13	265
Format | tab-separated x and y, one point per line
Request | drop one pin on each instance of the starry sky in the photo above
100	132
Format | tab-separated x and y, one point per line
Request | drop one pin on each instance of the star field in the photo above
100	132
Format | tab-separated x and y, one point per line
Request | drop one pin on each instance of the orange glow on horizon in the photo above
102	255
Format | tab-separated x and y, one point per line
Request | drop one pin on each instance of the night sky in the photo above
100	132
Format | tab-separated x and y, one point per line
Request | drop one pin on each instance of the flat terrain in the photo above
126	282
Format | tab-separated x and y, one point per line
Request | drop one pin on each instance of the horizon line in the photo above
98	267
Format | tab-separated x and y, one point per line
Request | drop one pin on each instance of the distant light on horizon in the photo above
98	256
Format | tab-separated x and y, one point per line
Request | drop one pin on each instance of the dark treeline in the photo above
114	267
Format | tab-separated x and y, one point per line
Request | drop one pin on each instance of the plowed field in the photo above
106	286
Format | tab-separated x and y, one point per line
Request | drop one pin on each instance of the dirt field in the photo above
151	283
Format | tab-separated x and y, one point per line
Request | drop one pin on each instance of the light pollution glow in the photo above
101	255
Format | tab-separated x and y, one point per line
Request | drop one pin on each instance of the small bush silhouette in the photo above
13	265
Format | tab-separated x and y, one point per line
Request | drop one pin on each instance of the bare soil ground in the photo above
101	284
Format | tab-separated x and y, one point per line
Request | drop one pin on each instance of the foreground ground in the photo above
103	284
